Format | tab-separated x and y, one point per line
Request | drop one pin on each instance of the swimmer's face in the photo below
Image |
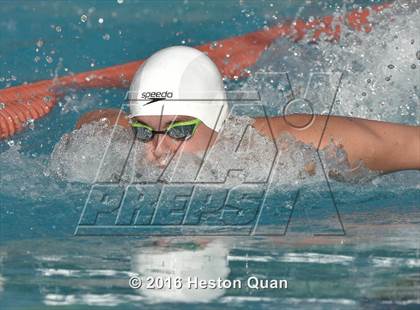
162	147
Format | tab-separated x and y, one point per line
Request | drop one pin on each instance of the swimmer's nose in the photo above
160	150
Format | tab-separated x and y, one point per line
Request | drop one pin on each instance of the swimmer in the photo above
177	96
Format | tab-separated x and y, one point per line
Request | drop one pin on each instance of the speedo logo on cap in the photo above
156	95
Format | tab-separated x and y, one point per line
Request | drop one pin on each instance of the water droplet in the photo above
106	37
39	43
11	142
368	81
412	41
49	59
388	78
363	94
83	18
101	20
413	66
47	99
213	45
418	55
120	1
2	105
29	123
58	28
391	66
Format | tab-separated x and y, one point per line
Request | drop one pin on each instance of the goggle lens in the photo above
183	132
144	134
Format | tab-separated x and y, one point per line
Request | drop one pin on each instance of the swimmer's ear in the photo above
110	116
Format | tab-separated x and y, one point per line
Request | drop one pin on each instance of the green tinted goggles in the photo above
183	130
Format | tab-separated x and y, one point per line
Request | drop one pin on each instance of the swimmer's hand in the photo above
110	116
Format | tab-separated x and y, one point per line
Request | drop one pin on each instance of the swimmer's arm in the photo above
382	146
111	116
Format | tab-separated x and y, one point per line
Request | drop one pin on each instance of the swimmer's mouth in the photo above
153	100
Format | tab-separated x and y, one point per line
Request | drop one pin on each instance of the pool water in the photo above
366	255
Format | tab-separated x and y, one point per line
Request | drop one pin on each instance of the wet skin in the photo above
382	146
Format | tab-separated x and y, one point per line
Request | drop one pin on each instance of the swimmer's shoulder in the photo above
111	116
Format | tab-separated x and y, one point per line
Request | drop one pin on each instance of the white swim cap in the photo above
187	82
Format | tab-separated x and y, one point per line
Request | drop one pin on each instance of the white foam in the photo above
79	154
49	272
259	259
53	272
381	71
110	300
316	258
239	149
288	300
389	262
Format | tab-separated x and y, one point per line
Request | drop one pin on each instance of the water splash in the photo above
79	154
379	79
97	153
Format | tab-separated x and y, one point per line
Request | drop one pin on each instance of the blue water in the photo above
371	261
